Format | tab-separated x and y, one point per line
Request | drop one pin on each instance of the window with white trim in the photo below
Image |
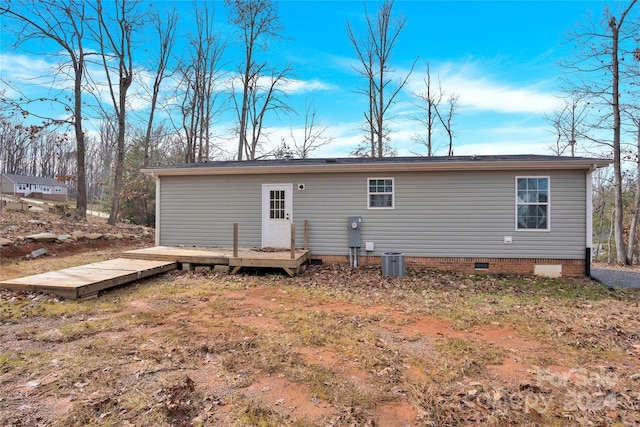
532	203
22	186
380	193
57	189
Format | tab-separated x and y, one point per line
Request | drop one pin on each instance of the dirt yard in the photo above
332	347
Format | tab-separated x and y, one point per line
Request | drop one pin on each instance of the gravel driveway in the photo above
624	278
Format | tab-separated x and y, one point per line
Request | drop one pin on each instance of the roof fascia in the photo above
26	179
381	167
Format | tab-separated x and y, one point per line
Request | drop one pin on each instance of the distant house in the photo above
36	187
497	214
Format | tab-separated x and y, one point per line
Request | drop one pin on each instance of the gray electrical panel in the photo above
354	224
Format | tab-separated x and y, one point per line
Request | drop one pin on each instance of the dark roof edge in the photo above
28	179
328	165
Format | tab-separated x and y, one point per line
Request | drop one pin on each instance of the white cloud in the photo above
479	91
15	66
30	70
38	77
301	86
289	86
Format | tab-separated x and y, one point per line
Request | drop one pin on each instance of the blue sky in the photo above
500	57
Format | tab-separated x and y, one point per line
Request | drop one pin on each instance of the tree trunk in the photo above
125	83
242	133
147	135
611	239
372	128
380	110
81	174
166	35
621	252
120	45
573	128
631	244
117	182
600	229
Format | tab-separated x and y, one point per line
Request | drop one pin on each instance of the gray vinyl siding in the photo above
201	211
437	214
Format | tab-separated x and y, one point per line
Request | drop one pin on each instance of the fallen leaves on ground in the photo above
334	346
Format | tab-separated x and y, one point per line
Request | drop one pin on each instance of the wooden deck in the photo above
225	256
86	281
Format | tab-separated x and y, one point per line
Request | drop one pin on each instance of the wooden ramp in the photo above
225	256
86	281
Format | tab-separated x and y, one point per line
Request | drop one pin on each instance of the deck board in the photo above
224	256
86	281
212	256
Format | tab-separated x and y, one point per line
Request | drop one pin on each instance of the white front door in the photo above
277	215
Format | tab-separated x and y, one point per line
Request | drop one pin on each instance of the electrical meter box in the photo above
354	224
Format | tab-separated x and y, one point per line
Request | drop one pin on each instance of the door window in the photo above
276	204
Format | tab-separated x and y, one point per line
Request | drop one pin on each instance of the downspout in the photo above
589	227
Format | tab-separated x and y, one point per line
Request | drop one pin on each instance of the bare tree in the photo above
166	31
258	24
63	23
570	124
313	135
428	101
47	150
635	208
189	116
446	117
615	28
101	153
374	53
265	96
369	146
596	72
200	76
114	36
16	145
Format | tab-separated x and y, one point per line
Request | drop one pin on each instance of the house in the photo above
36	187
518	214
